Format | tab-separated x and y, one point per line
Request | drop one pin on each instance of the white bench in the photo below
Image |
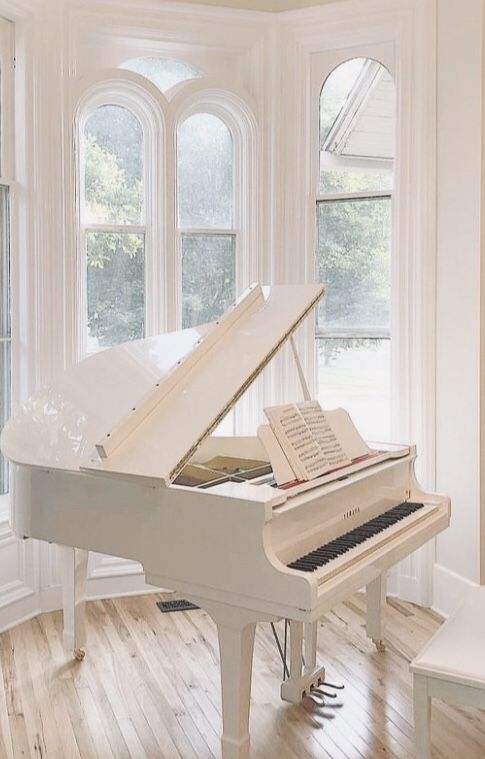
451	667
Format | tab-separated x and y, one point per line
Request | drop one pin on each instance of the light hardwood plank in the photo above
149	689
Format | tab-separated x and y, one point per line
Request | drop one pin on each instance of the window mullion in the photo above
116	228
344	333
211	232
360	195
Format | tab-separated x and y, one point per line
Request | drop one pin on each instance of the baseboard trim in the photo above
449	590
23	603
115	586
21	609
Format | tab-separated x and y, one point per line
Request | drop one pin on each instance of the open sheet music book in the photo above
310	442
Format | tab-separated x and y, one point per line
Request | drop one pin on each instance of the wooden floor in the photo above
149	689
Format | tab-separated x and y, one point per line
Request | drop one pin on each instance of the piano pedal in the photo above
319	691
333	685
379	644
316	709
312	696
294	689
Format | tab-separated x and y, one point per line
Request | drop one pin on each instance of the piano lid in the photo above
142	408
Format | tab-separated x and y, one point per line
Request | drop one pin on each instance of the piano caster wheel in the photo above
79	654
379	644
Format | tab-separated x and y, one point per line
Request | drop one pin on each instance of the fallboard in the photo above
322	514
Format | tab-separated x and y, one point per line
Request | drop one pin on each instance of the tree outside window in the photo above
116	241
354	236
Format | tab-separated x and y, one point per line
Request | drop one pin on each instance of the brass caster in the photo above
379	644
79	654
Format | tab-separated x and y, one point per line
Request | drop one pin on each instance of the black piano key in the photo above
341	542
295	565
322	556
311	564
358	535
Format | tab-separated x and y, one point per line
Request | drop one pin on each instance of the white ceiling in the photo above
275	6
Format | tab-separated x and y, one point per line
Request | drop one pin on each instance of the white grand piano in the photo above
96	461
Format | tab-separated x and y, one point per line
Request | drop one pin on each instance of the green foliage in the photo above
113	193
111	196
353	261
354	243
208	277
115	286
116	267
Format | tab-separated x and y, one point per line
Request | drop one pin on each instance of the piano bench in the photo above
451	667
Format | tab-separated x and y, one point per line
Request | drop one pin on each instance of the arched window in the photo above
113	226
354	228
205	158
166	240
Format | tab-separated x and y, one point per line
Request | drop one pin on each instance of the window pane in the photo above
205	173
354	255
113	167
4	264
115	288
353	179
208	277
163	72
355	374
4	407
357	128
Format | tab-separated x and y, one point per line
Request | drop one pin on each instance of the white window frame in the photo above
233	231
123	89
332	197
7	180
323	66
336	37
160	118
237	112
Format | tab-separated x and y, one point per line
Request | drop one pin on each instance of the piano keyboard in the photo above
326	553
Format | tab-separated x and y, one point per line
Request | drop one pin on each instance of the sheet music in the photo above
314	441
304	453
352	442
324	434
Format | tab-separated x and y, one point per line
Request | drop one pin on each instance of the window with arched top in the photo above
113	226
354	242
205	161
166	239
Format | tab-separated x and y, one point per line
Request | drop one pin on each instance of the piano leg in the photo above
376	592
74	565
302	677
311	632
236	628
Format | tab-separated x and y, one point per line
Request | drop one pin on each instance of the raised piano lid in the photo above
147	405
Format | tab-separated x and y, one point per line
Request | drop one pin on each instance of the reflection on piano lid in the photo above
114	412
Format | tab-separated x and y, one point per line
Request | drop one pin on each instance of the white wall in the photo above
458	293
